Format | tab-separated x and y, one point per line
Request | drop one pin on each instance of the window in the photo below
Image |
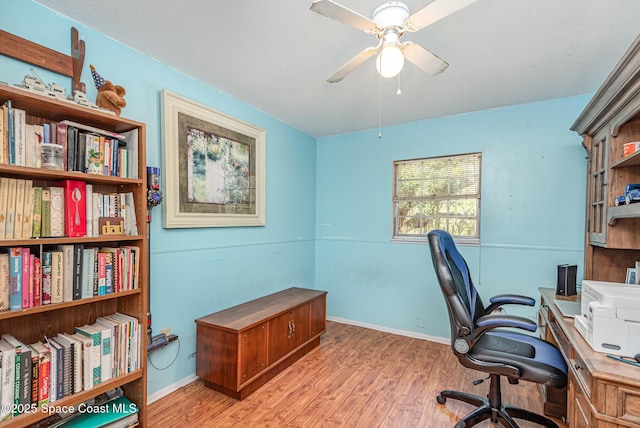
437	193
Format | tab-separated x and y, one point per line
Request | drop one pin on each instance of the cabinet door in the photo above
578	410
288	331
318	316
253	352
598	189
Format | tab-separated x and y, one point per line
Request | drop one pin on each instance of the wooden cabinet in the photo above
35	323
602	392
240	348
610	120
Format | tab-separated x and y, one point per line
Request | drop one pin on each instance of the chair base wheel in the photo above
501	413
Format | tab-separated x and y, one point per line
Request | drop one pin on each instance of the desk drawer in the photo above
629	405
578	366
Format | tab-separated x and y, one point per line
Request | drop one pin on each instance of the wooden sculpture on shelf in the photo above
32	53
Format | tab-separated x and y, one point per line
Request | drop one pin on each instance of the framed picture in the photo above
214	167
631	276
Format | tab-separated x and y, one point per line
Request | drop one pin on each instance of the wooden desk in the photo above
602	392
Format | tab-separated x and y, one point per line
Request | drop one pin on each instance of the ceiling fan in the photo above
388	23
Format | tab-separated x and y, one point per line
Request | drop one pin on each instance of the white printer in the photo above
610	319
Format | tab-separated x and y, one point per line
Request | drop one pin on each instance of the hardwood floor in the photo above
357	377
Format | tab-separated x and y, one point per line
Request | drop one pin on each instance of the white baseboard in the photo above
442	340
170	388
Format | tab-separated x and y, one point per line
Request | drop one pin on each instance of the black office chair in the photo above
479	345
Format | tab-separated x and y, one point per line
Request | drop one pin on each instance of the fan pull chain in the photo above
379	105
398	92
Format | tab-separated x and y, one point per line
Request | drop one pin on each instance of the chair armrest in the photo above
508	299
489	322
464	343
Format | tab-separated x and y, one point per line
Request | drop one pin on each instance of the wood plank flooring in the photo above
357	377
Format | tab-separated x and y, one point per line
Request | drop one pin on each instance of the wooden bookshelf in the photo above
33	324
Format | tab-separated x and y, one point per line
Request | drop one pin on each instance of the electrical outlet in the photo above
166	331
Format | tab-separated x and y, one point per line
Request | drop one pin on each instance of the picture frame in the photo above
631	276
214	167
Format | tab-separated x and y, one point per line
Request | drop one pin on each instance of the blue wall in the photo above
199	271
532	212
329	203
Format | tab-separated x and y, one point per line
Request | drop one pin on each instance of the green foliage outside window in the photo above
437	193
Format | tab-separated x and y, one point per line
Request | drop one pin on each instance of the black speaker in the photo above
566	280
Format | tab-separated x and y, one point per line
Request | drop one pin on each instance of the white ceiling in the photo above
276	54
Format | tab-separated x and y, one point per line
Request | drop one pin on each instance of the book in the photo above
17	381
27	371
61	139
72	148
53	371
78	251
88	256
94	157
68	271
56	383
37	283
22	390
57	277
96	212
102	273
26	259
93	129
44	371
88	210
11	134
46	278
120	412
77	379
75	209
30	284
7	373
4	282
57	211
32	146
19	210
106	359
114	345
15	278
36	216
3	133
27	218
11	208
131	138
46	212
96	350
19	130
67	382
4	200
88	360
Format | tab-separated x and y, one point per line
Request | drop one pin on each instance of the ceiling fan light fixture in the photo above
390	61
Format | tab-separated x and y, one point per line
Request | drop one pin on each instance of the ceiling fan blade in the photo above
354	63
433	12
340	13
423	59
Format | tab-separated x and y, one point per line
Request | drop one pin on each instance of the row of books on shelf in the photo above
111	409
81	147
71	209
65	273
34	375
